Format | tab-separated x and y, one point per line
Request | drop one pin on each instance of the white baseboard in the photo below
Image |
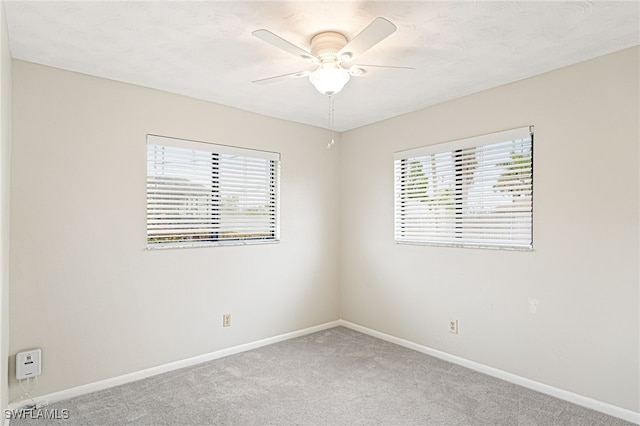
143	374
603	407
593	404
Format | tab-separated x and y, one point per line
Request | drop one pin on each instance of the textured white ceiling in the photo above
205	49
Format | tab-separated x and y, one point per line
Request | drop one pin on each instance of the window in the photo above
475	192
205	194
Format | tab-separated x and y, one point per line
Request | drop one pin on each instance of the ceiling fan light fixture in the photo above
329	78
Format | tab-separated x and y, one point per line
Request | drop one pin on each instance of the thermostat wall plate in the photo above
28	364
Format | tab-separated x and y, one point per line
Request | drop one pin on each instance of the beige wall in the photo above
5	163
85	290
584	336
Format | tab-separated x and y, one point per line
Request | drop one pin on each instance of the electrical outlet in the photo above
453	326
226	320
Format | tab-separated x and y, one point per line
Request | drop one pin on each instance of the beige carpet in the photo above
333	377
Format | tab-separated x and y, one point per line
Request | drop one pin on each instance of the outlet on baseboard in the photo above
453	326
226	320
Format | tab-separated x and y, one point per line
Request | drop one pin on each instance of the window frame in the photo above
414	225
207	170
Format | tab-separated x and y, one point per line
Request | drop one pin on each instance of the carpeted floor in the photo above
333	377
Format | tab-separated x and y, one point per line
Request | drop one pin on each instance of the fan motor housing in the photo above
326	45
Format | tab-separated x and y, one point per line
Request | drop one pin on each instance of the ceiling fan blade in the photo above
361	69
373	34
282	77
279	42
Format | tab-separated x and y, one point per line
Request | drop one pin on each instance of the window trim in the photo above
217	149
451	147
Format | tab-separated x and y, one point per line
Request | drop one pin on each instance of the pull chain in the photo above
331	117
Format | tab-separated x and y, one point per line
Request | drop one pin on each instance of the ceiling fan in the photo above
332	53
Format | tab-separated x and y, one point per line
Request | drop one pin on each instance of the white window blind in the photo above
205	194
475	192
